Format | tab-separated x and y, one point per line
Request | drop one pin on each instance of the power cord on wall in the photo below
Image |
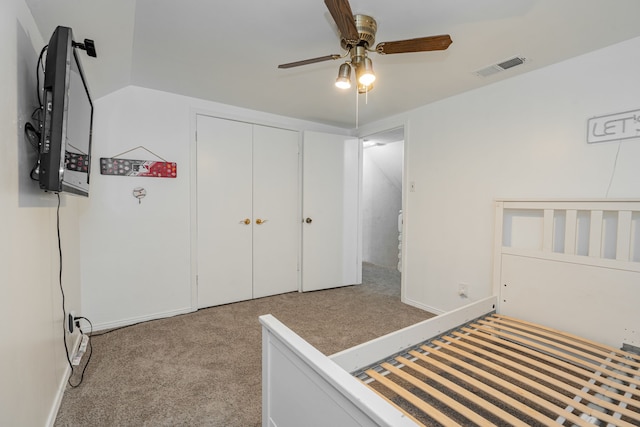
39	65
33	136
64	311
108	331
615	166
33	133
119	328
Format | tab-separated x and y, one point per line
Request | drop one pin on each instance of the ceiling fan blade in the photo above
309	61
421	44
343	16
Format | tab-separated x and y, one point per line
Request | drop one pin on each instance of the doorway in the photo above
382	173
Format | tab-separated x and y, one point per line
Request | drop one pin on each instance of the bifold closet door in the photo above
248	211
276	224
224	213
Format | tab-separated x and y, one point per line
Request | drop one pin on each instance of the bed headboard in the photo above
573	265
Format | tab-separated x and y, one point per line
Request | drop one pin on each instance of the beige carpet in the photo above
204	368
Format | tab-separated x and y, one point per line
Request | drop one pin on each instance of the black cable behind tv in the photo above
65	148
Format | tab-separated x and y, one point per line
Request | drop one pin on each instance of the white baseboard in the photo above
422	306
134	320
62	385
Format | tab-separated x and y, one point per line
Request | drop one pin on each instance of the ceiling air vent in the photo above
500	66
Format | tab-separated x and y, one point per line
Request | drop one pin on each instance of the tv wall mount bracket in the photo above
89	46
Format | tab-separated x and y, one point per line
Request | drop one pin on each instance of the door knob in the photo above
308	220
260	221
246	221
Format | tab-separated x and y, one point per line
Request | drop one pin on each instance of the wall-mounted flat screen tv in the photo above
65	148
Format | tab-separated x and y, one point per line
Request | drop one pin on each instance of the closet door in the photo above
330	238
247	211
224	211
276	225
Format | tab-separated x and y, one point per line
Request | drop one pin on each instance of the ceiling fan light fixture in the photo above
364	72
365	88
344	76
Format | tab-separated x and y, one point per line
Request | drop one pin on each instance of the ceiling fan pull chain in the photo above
357	103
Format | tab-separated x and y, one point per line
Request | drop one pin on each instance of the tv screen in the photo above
65	149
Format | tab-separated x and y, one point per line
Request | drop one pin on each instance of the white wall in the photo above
523	137
33	367
136	257
381	201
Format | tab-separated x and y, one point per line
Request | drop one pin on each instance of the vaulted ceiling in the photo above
229	51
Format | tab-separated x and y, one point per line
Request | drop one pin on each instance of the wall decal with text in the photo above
614	127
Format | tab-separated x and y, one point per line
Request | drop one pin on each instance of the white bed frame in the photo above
572	265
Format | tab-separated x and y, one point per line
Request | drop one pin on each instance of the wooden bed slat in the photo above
470	349
412	398
556	361
562	385
567	345
504	398
532	370
606	351
532	397
580	382
443	398
629	358
497	411
408	415
532	342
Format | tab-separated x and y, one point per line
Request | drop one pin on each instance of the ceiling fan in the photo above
357	37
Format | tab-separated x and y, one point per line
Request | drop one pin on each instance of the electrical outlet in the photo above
71	321
463	290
